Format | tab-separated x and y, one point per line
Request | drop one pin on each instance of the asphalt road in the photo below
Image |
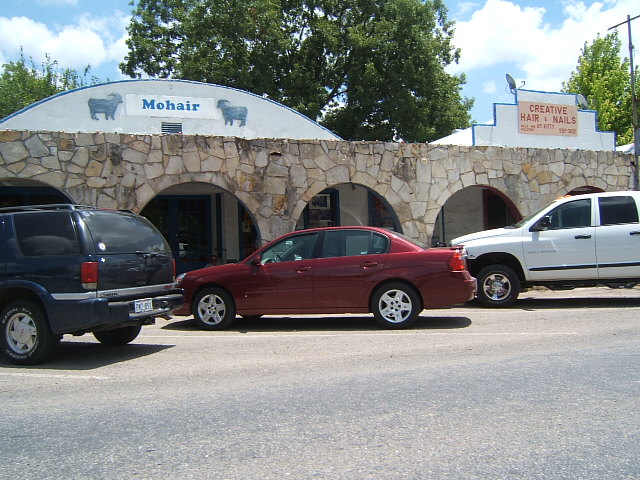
549	389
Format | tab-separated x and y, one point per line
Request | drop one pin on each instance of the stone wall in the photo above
276	178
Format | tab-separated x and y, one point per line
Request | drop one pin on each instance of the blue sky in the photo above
536	41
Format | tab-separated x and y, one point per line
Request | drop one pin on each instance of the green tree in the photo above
22	84
605	80
366	69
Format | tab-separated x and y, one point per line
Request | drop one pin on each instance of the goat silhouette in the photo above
107	106
231	113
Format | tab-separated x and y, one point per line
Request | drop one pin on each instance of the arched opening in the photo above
17	191
348	204
473	209
201	221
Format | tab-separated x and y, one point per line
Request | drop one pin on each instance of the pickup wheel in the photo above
498	286
213	309
118	336
26	337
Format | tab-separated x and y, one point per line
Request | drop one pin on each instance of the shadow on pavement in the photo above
89	356
548	303
539	303
320	323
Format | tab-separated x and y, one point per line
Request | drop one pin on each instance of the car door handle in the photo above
369	264
582	237
634	233
302	269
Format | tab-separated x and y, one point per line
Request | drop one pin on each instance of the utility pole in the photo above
634	103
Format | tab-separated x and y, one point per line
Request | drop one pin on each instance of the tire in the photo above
26	337
213	309
498	286
395	305
118	336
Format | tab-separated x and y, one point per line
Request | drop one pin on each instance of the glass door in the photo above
185	221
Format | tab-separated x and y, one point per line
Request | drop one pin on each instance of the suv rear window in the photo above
46	234
118	233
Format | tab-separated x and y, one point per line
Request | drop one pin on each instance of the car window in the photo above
617	210
571	215
295	247
334	244
114	232
379	243
340	243
46	234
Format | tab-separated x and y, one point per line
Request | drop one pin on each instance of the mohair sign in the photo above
547	119
171	106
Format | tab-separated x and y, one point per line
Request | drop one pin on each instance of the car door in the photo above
565	248
618	237
283	279
347	262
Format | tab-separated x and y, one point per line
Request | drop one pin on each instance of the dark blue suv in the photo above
68	269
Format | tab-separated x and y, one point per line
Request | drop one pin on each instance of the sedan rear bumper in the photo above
458	287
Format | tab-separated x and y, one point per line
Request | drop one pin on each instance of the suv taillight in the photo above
89	275
458	260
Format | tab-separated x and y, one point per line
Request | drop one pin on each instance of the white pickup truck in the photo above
577	241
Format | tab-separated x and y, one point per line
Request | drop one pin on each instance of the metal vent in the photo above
168	127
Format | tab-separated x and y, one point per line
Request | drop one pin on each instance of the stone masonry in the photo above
276	178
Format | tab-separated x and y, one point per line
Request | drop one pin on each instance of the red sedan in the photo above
331	270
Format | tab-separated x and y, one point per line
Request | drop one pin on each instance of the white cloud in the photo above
502	32
88	40
489	87
118	47
464	8
497	33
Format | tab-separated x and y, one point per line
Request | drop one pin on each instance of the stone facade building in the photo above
275	180
225	194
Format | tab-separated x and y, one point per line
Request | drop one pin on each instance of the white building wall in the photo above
141	107
231	228
463	213
505	130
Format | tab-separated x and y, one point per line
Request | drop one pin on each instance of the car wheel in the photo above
498	286
26	337
213	309
118	336
395	305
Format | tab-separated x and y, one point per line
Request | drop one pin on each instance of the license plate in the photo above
144	305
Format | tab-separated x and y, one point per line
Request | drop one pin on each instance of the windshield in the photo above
526	219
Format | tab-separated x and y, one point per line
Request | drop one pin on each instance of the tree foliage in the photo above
366	69
22	83
605	80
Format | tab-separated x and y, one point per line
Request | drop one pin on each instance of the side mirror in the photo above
255	260
541	225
